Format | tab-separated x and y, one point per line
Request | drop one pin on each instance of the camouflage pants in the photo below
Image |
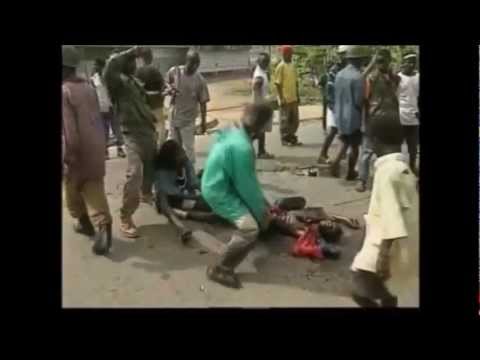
140	173
289	121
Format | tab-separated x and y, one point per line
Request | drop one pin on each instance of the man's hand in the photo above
203	128
267	219
383	266
185	235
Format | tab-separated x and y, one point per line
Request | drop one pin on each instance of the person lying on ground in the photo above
295	222
177	188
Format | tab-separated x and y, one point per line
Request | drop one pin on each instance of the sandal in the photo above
265	155
223	277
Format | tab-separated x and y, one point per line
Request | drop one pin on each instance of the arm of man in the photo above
163	207
70	130
358	92
241	169
370	66
279	83
203	99
113	69
257	89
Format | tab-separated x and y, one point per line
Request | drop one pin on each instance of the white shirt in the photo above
102	93
392	214
408	91
259	72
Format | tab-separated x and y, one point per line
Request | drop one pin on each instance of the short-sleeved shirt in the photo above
153	84
193	91
286	77
349	100
382	98
392	214
408	92
229	181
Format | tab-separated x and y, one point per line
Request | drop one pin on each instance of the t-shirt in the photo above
229	181
193	90
392	214
349	100
153	84
408	92
381	94
260	73
286	77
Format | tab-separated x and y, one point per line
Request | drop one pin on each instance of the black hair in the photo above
387	129
331	235
167	155
100	62
385	53
262	112
263	54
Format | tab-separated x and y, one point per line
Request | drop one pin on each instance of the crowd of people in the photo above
369	107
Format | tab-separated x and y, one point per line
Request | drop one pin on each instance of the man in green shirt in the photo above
138	127
231	188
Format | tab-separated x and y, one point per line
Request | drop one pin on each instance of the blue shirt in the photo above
166	181
349	99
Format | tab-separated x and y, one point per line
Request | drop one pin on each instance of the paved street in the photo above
157	271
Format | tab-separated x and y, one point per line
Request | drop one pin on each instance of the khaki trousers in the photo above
289	121
87	197
140	173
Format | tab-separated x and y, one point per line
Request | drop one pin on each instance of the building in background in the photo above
215	58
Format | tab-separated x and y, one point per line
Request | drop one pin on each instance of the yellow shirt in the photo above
286	77
392	214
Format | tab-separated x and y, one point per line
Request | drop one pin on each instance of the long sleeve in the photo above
244	177
70	130
112	74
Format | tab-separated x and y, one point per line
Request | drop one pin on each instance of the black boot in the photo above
120	152
391	302
103	240
84	226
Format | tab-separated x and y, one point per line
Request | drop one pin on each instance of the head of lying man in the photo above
330	230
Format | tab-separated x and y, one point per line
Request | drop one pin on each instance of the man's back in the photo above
83	129
349	96
229	182
382	95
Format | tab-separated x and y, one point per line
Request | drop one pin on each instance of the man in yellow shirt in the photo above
286	82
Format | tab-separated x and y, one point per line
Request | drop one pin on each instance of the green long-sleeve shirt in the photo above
129	98
229	182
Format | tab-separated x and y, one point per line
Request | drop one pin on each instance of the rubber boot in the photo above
364	302
84	226
103	240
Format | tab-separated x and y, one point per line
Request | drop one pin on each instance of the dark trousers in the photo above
110	121
410	135
368	287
